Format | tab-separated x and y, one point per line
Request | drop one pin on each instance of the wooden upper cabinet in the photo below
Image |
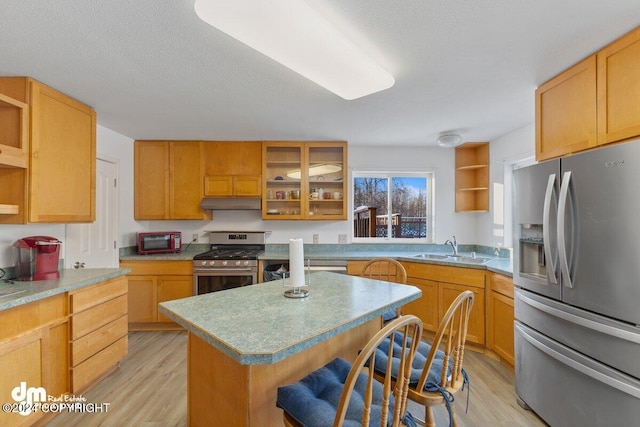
232	157
619	89
233	168
151	180
233	186
185	180
296	173
566	112
168	180
62	167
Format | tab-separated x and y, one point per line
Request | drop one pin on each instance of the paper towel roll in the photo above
296	263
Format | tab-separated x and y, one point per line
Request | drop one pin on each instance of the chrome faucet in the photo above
454	245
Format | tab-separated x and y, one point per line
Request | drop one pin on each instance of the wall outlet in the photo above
316	238
342	238
194	238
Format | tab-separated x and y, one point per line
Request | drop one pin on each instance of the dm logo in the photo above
27	397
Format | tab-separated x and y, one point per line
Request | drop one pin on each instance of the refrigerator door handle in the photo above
586	370
562	244
546	232
581	321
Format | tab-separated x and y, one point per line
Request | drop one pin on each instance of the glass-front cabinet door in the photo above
283	182
326	169
304	180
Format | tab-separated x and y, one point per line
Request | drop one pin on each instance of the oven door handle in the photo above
220	270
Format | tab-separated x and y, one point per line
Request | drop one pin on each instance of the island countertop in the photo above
258	325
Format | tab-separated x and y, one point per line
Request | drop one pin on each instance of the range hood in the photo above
231	203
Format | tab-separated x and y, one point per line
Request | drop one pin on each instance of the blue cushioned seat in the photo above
389	315
312	401
417	366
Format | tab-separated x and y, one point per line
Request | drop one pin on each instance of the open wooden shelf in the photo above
472	177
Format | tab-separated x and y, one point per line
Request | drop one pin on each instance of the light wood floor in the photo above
149	389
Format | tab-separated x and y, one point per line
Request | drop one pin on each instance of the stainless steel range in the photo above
231	262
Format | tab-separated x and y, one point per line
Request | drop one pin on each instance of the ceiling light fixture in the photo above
315	170
449	140
293	34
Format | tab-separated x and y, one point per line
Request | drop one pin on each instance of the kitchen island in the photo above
245	342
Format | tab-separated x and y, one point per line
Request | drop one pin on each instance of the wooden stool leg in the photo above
454	420
428	417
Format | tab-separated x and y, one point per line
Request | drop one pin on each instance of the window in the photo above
396	206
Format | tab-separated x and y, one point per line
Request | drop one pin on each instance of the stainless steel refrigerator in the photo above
577	277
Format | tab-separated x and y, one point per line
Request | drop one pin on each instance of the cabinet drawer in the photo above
96	365
443	273
93	342
94	295
24	318
502	284
97	316
354	268
157	268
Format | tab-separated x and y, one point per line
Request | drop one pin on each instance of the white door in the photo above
94	245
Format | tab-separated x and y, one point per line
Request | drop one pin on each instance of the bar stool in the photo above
340	394
437	372
386	269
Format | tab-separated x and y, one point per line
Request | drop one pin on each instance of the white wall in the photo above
11	233
504	151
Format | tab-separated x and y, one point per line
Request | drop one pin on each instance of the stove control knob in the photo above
237	262
246	262
224	262
203	263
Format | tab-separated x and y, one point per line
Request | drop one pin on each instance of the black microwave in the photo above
161	242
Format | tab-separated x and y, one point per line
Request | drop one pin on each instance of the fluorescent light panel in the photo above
315	170
293	34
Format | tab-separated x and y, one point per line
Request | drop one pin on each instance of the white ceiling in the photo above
153	70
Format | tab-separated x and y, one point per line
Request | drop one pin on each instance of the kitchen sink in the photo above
471	260
431	256
454	258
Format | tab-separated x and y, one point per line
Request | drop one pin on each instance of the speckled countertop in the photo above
258	325
70	279
501	261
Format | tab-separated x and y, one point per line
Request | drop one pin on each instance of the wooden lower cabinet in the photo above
354	268
425	307
63	343
440	285
33	349
98	331
153	282
492	315
448	292
173	287
500	317
143	297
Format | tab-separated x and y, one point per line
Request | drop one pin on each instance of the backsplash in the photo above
10	272
310	249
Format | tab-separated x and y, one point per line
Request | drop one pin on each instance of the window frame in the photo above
429	175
